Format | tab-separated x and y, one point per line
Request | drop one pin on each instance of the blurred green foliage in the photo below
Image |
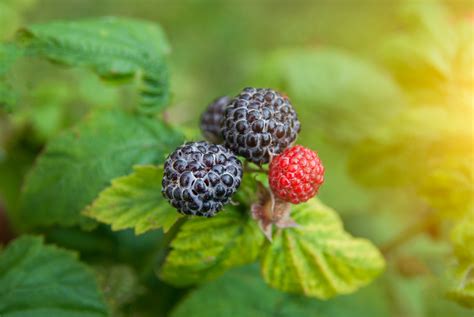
385	92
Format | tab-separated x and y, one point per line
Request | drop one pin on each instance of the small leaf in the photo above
462	237
318	258
42	280
115	48
462	289
81	162
206	247
135	201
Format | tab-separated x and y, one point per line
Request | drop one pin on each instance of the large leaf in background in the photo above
135	201
79	163
341	95
205	248
42	280
241	292
115	48
408	149
318	258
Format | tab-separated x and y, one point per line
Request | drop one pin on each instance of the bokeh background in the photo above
384	90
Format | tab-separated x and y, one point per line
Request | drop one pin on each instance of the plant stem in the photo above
6	234
169	236
259	169
409	233
159	256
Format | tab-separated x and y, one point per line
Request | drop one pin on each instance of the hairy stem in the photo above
162	250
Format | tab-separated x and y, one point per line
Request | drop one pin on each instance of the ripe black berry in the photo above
259	124
200	178
211	119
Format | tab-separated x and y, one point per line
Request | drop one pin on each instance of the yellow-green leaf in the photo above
207	247
462	288
135	201
318	258
463	237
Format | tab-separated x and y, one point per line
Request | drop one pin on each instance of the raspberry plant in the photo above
197	178
123	205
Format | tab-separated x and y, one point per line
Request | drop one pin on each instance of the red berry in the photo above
296	174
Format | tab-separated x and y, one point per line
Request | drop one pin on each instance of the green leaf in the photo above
318	258
114	48
242	292
342	96
79	163
206	247
43	280
135	201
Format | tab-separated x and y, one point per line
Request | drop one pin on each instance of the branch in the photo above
158	256
421	226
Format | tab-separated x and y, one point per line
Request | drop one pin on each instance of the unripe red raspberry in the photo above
296	174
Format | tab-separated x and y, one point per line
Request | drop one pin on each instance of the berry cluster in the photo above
200	178
260	125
